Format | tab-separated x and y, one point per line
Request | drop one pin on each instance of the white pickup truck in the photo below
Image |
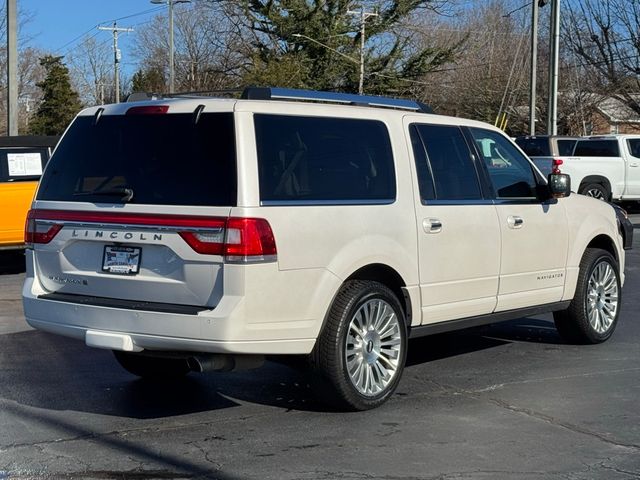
606	167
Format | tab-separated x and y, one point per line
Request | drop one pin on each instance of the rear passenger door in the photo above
534	233
458	231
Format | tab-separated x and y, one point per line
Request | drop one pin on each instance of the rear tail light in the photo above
239	240
38	230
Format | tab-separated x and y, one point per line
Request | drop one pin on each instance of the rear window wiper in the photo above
125	193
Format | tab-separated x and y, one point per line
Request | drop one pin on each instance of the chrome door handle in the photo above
514	221
633	164
432	225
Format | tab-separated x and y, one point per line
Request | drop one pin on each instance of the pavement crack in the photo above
568	426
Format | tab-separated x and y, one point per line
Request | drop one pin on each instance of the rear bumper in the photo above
239	324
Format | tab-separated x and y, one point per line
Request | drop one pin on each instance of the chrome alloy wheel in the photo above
595	193
602	297
373	347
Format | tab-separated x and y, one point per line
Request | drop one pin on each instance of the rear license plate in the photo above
121	260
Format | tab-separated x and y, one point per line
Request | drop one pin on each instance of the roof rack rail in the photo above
141	96
270	93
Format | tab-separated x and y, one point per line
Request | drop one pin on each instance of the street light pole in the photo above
534	67
171	3
552	115
364	16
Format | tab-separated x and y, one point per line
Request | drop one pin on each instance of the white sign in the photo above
24	164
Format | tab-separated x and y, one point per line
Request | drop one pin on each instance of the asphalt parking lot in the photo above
498	402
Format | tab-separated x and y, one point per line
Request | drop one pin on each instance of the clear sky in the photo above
57	25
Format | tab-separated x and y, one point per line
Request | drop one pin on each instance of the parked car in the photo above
606	167
204	234
22	159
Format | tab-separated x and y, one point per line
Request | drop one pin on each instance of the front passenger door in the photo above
534	233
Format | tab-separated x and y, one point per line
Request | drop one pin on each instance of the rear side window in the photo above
161	159
324	160
565	147
449	163
597	148
535	147
22	164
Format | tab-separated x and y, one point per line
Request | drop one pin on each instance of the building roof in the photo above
617	111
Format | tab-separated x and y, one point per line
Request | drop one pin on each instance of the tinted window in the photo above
454	174
510	172
425	179
22	164
315	159
535	147
162	159
634	147
565	147
597	148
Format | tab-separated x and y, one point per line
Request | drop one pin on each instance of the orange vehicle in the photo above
22	159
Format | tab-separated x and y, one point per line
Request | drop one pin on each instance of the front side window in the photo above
324	160
634	147
510	172
448	161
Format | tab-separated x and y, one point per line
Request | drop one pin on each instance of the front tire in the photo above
361	352
593	313
153	368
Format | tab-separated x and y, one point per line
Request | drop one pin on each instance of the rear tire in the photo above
156	368
593	313
596	190
361	352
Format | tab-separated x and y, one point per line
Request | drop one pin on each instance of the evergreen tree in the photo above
60	103
150	80
316	44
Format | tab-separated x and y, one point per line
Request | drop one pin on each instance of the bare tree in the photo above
91	68
605	37
206	55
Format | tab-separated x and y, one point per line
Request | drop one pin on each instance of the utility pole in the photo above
552	111
116	55
364	16
12	68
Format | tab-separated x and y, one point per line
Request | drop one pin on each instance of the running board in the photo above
497	317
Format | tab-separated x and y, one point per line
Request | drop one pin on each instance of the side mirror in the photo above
559	185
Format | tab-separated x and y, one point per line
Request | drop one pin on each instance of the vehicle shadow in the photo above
12	262
66	375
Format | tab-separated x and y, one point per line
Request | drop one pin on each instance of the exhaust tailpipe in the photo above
224	363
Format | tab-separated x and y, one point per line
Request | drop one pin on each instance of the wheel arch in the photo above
604	242
599	179
389	277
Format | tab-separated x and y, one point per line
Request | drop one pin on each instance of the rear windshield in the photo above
565	147
145	159
22	164
535	147
597	148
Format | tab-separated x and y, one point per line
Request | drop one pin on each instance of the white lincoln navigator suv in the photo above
197	233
